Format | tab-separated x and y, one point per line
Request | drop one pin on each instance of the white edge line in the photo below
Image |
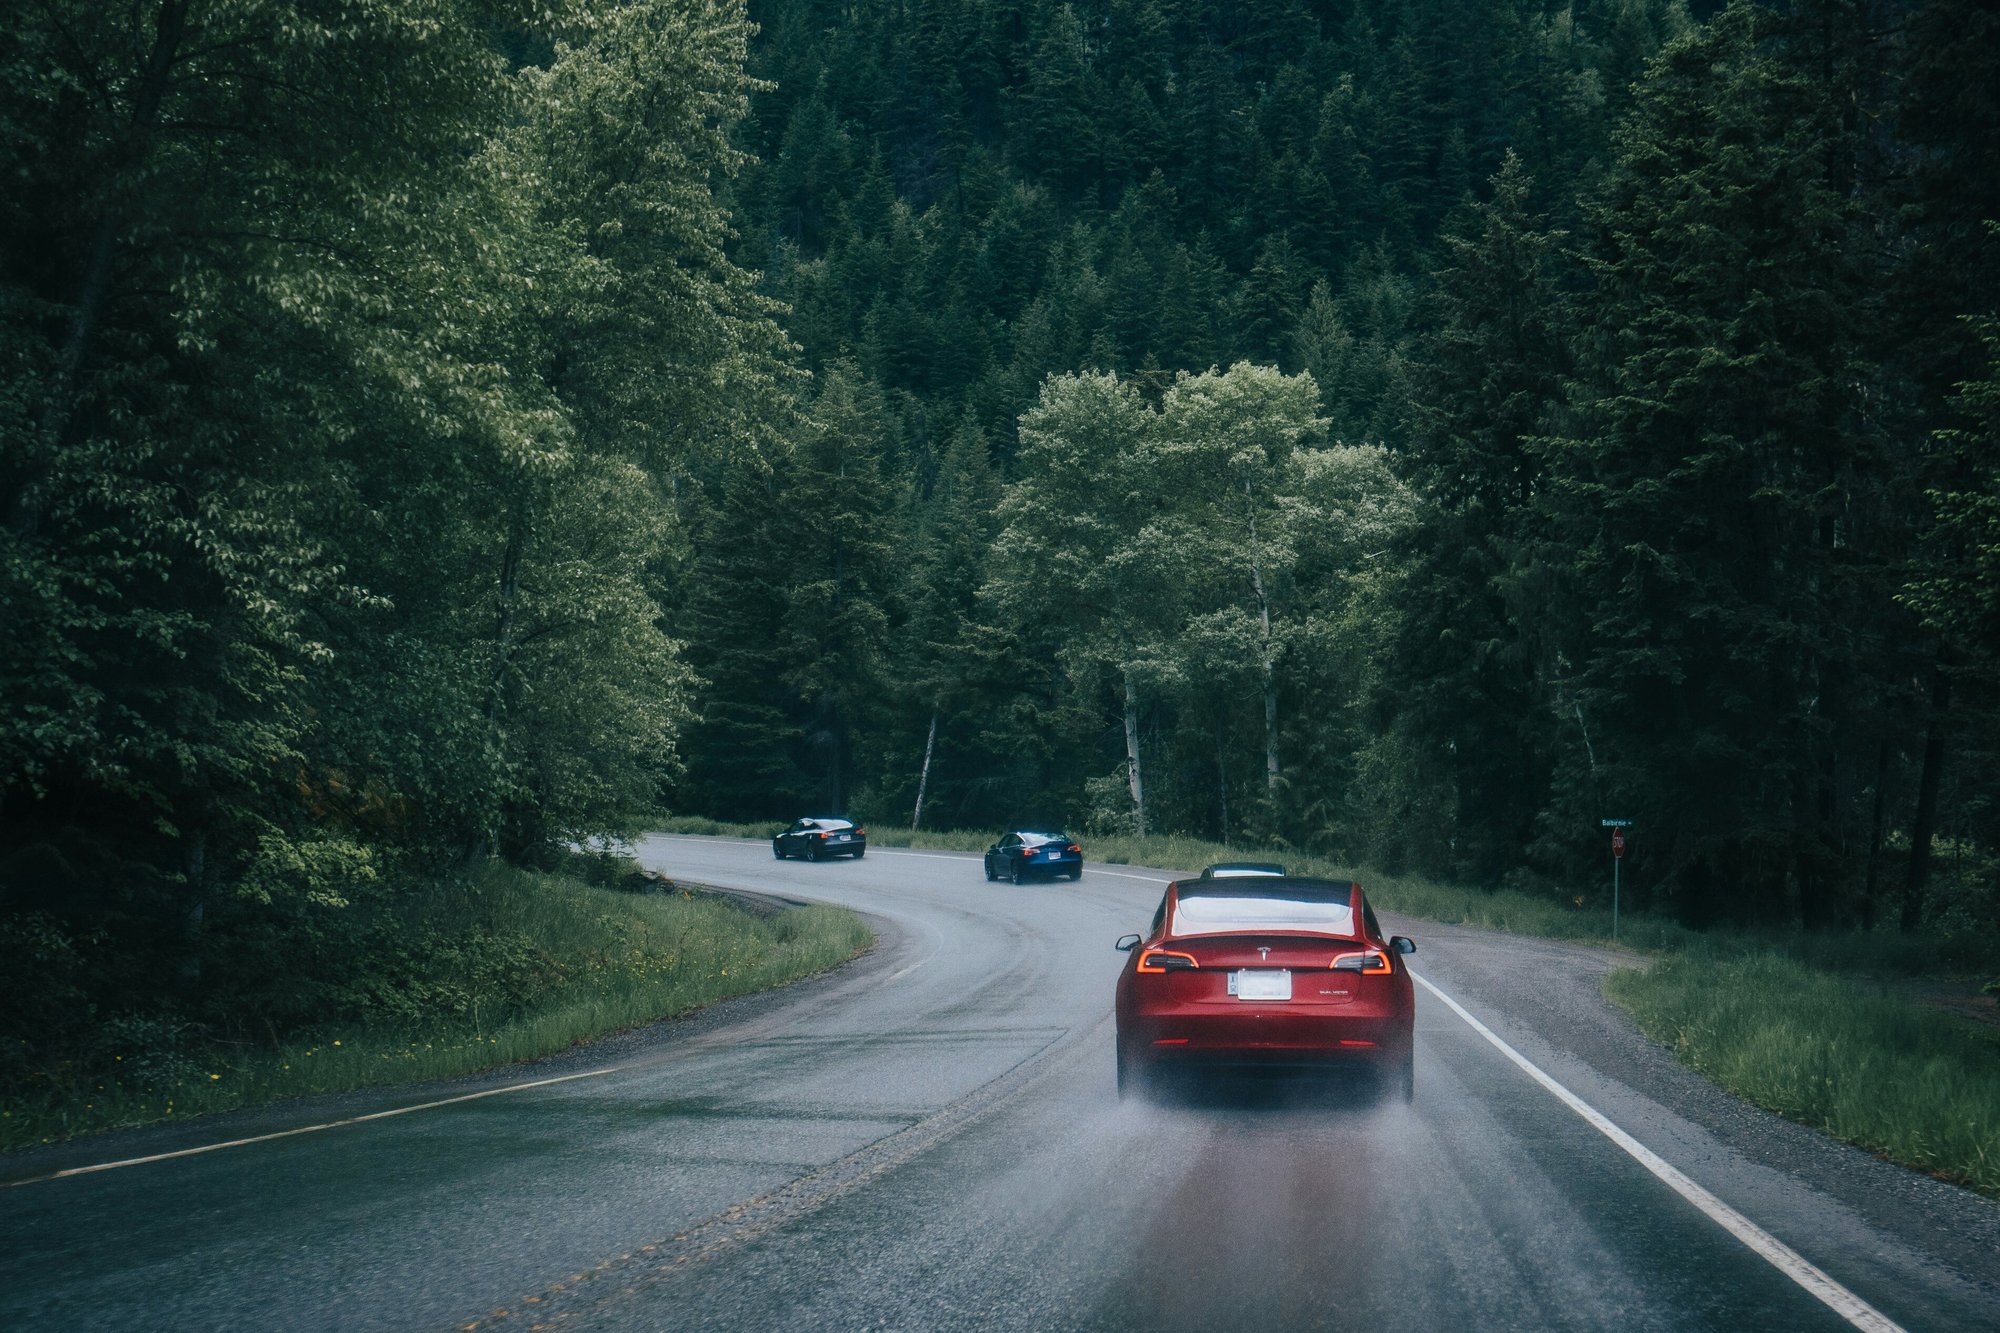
309	1129
1774	1251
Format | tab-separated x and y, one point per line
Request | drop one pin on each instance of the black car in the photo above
818	838
1019	856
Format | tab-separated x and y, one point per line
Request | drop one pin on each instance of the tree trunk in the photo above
486	841
1270	673
1222	780
924	777
1875	838
1270	737
503	618
1133	777
836	775
195	863
1924	826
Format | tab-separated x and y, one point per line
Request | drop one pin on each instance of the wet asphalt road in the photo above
929	1139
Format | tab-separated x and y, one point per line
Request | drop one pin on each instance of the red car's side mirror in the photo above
1402	944
1126	943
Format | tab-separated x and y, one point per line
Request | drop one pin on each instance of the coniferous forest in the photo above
434	431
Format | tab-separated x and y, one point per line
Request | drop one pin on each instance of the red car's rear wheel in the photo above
1135	1078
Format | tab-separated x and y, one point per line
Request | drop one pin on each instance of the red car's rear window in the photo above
1249	906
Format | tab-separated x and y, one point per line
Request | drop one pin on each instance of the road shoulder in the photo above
1546	998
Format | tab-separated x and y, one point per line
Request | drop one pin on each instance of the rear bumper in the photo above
1264	1036
826	849
1048	869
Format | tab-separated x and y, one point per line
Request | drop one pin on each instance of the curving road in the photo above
928	1139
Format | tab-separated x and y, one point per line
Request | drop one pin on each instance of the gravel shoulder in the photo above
1546	997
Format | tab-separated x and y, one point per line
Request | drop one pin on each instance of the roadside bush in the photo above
43	1001
409	981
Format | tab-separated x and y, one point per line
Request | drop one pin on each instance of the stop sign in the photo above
1618	842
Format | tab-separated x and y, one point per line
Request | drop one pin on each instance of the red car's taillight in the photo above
1165	960
1369	964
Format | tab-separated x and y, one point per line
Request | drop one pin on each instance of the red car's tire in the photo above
1398	1082
1135	1081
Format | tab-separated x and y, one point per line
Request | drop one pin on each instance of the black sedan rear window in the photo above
1247	906
1037	839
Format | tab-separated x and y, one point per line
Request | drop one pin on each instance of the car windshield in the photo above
1250	905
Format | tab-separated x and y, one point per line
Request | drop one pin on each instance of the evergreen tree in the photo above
1462	707
949	548
836	509
1705	485
742	748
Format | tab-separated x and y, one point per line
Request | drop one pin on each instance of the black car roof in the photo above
1265	904
1304	888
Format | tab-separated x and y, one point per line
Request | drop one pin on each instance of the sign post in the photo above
1617	827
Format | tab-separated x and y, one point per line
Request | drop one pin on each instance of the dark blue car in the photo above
1020	856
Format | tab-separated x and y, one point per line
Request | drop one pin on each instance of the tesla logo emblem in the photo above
1264	951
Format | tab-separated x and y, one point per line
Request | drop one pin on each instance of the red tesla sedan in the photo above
1266	972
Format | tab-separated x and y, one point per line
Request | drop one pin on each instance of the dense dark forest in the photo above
1646	475
1409	429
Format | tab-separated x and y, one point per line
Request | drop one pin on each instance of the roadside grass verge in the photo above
1832	1052
717	828
577	962
1799	1023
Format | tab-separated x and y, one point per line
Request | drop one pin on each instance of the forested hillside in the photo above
1647	473
437	431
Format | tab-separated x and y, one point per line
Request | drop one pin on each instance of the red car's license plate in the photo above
1251	984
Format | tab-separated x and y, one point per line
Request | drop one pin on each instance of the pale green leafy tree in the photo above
1071	551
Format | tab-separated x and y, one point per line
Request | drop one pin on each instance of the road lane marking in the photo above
585	1298
1774	1251
308	1129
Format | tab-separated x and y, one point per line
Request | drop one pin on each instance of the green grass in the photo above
1800	1023
1833	1052
603	961
715	828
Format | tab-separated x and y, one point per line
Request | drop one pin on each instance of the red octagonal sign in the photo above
1618	842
